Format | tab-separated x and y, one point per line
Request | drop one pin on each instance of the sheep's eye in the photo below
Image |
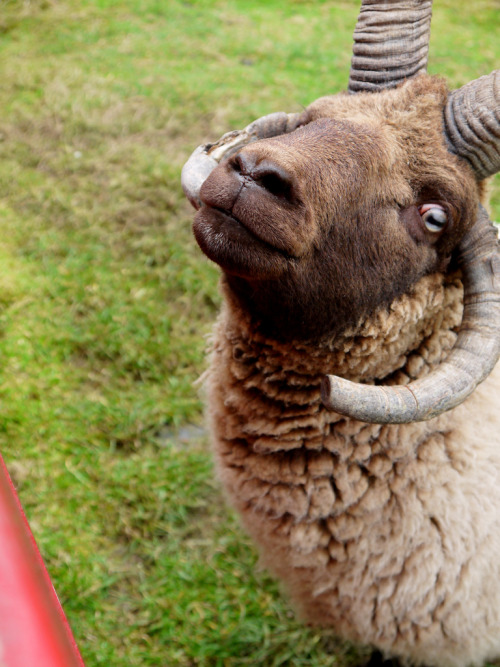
434	217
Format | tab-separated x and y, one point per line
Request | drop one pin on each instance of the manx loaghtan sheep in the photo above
353	244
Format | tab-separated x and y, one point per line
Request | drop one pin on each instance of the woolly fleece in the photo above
388	534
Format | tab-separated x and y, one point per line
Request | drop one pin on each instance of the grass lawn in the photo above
106	302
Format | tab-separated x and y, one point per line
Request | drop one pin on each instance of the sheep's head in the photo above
336	211
317	227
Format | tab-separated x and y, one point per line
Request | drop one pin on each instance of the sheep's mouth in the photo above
228	242
234	224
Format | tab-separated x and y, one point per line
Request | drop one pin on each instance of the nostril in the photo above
277	183
264	173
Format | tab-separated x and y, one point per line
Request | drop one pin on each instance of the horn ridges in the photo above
472	124
391	43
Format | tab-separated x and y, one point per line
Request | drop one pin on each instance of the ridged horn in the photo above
207	156
473	357
472	124
391	43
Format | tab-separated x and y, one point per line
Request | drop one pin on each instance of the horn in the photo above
472	124
391	43
473	357
206	157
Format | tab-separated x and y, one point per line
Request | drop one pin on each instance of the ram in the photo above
352	389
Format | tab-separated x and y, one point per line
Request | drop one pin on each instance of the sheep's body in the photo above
388	534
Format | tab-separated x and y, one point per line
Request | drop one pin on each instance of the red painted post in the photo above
34	631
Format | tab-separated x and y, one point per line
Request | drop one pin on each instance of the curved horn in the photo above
207	156
473	357
472	124
391	43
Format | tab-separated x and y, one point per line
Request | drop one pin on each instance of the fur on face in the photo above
317	228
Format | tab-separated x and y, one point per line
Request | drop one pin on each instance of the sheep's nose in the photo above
265	173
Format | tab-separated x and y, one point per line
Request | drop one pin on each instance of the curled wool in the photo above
389	534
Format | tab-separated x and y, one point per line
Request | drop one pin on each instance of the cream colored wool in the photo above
388	534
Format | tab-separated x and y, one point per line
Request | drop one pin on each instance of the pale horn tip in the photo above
194	173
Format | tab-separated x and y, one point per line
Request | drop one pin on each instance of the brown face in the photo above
317	228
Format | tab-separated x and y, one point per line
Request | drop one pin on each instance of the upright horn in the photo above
391	43
473	357
472	124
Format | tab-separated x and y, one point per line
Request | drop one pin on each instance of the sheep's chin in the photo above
231	245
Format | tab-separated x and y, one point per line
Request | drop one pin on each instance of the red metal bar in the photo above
34	631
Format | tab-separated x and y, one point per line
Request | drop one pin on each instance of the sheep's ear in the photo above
471	360
391	43
206	157
472	124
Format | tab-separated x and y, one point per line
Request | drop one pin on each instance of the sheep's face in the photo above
317	228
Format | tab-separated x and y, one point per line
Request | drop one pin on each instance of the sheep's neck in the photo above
265	395
416	331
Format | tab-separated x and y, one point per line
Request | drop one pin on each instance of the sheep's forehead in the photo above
408	117
329	138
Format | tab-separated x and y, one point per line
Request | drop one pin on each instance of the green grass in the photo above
105	303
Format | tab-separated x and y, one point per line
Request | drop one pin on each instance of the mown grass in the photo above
105	303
